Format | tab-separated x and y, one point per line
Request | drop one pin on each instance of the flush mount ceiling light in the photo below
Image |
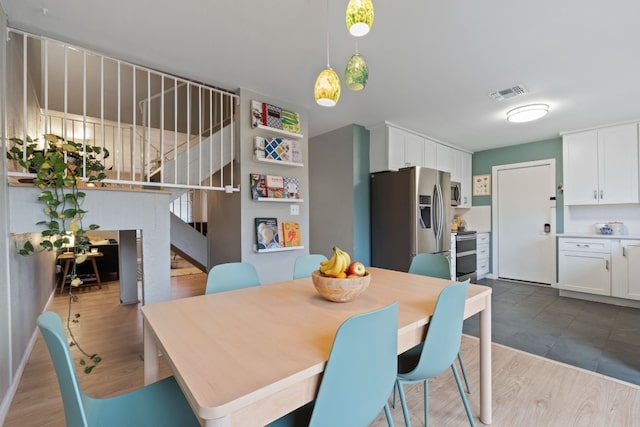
527	113
359	17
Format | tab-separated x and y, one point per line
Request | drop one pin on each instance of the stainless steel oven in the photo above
466	255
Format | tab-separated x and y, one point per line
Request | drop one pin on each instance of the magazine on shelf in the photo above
291	188
275	186
258	186
291	234
267	233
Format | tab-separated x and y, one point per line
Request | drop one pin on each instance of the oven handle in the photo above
465	237
466	253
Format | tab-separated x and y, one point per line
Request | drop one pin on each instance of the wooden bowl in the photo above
340	290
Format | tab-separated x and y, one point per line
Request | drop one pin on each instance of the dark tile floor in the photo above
599	337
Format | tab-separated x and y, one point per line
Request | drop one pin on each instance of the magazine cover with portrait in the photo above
267	233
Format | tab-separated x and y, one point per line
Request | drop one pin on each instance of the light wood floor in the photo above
527	390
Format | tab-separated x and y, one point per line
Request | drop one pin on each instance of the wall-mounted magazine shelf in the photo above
278	162
280	131
288	248
274	199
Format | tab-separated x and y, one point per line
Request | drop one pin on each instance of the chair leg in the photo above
395	389
464	373
464	398
426	403
403	402
387	413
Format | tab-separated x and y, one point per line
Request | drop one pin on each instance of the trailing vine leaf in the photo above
58	168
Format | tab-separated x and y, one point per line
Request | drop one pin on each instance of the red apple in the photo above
356	268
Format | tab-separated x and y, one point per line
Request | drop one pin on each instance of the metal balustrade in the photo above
161	130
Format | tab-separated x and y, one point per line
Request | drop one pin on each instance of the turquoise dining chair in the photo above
359	374
159	404
231	276
434	265
306	264
441	345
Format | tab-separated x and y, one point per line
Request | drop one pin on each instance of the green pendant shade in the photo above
359	17
327	88
356	73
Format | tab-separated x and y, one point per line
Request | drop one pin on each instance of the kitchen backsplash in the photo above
583	219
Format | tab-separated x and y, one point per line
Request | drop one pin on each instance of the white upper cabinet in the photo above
430	154
446	159
462	174
391	148
601	166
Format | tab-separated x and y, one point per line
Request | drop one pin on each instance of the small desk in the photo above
249	356
67	257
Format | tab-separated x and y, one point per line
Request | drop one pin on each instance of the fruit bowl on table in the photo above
340	290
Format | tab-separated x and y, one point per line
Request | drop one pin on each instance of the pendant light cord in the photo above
327	10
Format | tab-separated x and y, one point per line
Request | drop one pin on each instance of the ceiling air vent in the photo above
510	92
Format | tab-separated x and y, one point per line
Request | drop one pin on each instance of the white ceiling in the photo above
432	64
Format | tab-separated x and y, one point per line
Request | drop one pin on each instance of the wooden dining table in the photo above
249	356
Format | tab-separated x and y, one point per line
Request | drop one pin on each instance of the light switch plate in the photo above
294	209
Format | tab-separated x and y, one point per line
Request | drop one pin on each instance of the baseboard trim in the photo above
15	380
13	388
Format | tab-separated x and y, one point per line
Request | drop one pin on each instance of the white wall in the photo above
5	314
114	209
582	219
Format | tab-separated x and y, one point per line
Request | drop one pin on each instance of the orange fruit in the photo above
341	275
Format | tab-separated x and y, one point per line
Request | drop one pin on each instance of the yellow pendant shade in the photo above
359	17
327	88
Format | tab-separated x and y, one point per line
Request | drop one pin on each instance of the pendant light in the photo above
359	17
357	72
327	88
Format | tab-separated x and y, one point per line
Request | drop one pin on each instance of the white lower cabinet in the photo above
626	272
482	255
584	265
452	262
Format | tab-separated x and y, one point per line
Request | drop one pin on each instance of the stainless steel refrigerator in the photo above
410	214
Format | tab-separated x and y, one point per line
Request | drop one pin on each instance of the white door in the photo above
525	251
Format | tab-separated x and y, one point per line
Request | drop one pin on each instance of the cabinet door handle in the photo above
606	265
601	194
582	245
595	195
624	252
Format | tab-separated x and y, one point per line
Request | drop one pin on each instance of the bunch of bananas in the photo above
337	265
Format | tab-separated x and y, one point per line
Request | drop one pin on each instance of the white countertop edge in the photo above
600	236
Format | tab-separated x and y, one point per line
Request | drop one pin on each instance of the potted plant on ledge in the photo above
60	167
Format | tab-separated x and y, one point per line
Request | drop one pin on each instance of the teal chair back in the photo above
161	404
433	265
442	342
359	374
72	396
306	264
361	370
231	276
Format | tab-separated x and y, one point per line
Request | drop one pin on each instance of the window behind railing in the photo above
160	130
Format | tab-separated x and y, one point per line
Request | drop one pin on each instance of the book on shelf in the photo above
296	151
275	186
267	233
291	188
291	234
258	186
275	117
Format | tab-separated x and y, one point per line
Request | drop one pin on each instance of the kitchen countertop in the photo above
600	236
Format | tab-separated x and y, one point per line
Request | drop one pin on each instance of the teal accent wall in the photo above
483	161
361	224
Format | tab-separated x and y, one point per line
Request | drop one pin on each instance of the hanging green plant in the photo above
59	167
